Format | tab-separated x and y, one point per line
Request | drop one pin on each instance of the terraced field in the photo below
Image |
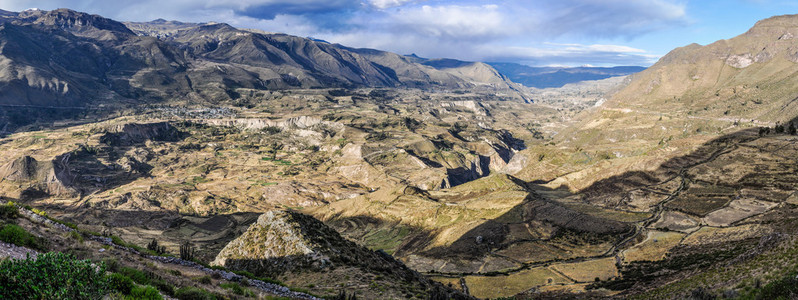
695	213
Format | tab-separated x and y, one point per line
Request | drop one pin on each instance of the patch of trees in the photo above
779	129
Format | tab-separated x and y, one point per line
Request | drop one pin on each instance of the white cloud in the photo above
383	4
611	17
453	21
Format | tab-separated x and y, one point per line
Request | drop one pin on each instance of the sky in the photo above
532	32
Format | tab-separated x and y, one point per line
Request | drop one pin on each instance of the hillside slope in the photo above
751	76
302	251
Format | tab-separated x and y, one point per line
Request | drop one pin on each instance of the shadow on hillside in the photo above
207	234
494	234
333	254
15	119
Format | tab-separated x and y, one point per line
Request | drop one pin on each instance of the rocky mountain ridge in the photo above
71	64
175	56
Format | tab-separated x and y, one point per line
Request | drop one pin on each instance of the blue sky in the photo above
537	33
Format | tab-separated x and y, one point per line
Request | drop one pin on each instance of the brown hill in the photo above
301	250
751	76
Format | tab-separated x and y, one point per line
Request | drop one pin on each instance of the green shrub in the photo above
52	275
192	293
144	293
785	287
16	235
203	279
117	240
137	275
76	236
9	211
120	283
158	249
148	278
237	289
164	286
111	264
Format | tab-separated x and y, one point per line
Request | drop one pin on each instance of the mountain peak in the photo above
73	21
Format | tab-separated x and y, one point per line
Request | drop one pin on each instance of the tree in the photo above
155	247
779	128
187	251
274	147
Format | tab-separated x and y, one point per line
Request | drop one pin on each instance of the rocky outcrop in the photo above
40	178
740	61
474	106
290	243
302	122
281	241
134	133
479	167
493	154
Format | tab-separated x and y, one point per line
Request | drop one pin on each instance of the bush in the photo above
39	212
785	287
192	293
237	289
148	278
120	283
9	211
16	235
164	286
137	275
203	279
76	236
144	293
111	264
52	275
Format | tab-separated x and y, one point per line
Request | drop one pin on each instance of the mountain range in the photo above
64	58
553	77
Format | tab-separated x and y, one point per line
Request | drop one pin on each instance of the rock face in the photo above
132	133
302	122
41	178
280	241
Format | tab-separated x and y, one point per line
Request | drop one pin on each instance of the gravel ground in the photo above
13	251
